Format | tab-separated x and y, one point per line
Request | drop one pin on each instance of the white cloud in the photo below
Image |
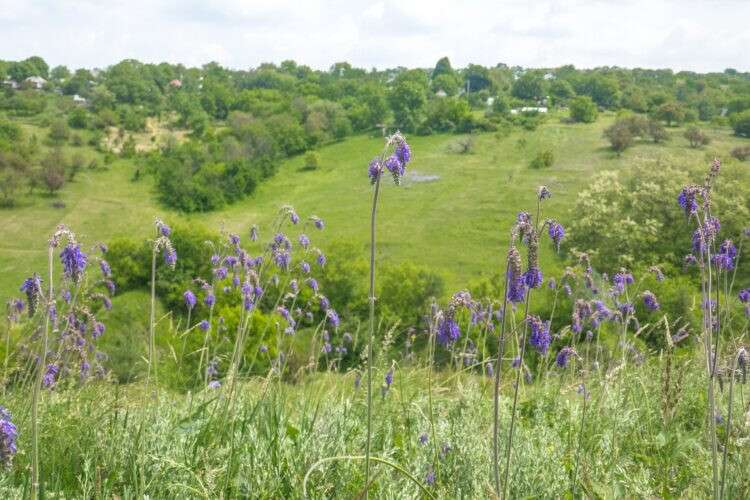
687	34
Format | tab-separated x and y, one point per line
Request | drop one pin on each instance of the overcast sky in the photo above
683	34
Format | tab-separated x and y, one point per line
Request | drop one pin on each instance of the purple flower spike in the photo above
448	332
649	300
73	261
540	338
563	357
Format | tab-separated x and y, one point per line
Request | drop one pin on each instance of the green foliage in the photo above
543	159
583	109
529	86
741	123
78	118
407	99
742	153
312	160
696	137
636	220
406	292
671	112
59	131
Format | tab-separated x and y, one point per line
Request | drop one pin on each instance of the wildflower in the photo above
98	330
389	377
305	267
209	299
556	232
533	277
214	384
403	151
293	217
318	222
333	318
423	438
164	229
552	284
304	241
563	356
568	291
374	169
263	348
324	303
282	260
448	331
254	233
50	375
621	280
313	284
725	258
657	273
649	300
490	370
73	261
32	287
204	325
516	282
516	362
8	437
745	296
543	193
394	166
170	257
626	309
106	270
540	337
687	199
190	299
429	479
321	260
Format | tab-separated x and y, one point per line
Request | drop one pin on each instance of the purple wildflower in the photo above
556	233
50	375
304	241
8	437
516	283
305	267
429	479
389	377
403	152
649	300
313	284
190	299
394	166
687	199
170	257
321	260
543	193
563	356
204	325
448	331
745	296
220	273
254	233
423	438
73	261
374	169
333	318
318	222
106	270
210	299
98	330
540	337
32	287
294	217
324	303
725	258
533	277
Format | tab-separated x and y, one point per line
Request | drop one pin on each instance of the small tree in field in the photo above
312	160
670	112
53	171
583	109
696	137
59	131
619	136
656	131
543	159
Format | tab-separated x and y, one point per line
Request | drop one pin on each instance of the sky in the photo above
707	35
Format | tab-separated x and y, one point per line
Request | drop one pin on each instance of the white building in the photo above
529	109
36	82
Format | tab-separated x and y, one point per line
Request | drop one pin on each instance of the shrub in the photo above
543	159
741	123
312	160
59	131
53	170
620	136
742	153
463	145
583	109
656	131
696	137
78	118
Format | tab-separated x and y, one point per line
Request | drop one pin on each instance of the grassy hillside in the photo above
452	214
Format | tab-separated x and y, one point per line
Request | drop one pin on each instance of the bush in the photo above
620	136
78	118
53	170
463	145
656	131
583	109
741	123
59	131
742	153
696	137
543	159
312	161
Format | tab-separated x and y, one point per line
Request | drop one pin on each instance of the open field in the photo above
460	206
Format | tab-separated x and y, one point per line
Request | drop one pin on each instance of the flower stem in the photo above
370	335
496	394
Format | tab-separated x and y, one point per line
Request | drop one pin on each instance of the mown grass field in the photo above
456	224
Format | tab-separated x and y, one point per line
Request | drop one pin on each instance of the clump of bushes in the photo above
696	137
543	159
312	161
741	153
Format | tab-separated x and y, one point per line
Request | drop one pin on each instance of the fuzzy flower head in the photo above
745	296
556	233
649	300
190	299
448	331
374	169
543	193
725	258
32	287
254	233
564	355
319	224
8	437
688	199
73	261
540	337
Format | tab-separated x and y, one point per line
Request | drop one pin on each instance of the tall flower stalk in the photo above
396	165
161	243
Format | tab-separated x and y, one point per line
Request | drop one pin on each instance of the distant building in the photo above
176	83
441	93
529	109
549	76
490	101
80	100
36	82
12	84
